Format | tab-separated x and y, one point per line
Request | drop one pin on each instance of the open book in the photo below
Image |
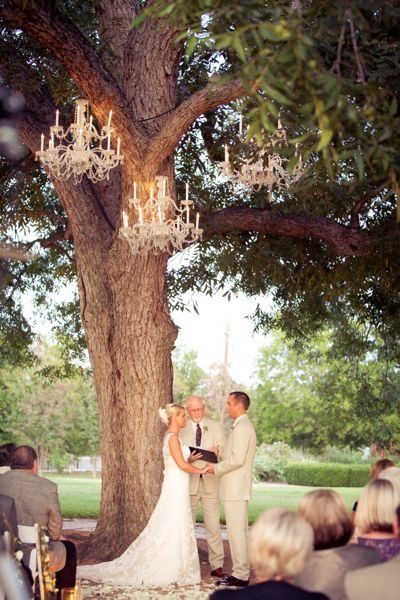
207	455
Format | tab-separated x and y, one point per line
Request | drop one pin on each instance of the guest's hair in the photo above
379	466
376	507
173	410
6	451
392	474
241	397
328	516
23	457
280	542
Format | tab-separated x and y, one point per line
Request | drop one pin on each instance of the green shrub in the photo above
326	474
270	461
332	454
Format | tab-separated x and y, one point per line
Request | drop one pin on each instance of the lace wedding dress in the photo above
166	551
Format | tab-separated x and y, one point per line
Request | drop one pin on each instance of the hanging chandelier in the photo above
160	224
265	167
81	150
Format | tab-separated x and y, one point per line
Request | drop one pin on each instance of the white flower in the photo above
46	538
18	555
163	415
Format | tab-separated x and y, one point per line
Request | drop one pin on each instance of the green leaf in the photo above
360	166
393	107
237	44
275	94
191	46
324	139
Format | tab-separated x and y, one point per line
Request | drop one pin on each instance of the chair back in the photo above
27	534
30	535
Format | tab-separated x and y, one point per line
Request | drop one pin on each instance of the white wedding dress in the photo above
166	550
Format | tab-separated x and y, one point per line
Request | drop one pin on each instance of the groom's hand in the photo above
210	469
214	449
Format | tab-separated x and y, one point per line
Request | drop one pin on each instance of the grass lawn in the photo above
80	496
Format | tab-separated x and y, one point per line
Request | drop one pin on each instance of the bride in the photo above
166	551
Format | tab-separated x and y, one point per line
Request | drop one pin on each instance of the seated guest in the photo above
392	474
379	581
325	568
36	501
374	518
6	451
375	471
280	542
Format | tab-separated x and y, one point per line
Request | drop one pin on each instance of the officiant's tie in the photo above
198	435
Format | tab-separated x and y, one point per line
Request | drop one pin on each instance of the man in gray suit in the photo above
207	434
36	501
379	581
235	477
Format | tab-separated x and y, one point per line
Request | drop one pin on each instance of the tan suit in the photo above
205	488
235	473
36	501
375	583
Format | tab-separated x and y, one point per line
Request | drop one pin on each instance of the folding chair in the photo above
30	535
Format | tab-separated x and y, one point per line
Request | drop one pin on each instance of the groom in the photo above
205	433
235	473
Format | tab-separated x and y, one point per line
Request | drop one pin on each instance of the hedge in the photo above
326	474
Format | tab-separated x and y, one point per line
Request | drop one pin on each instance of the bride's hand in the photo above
194	456
208	470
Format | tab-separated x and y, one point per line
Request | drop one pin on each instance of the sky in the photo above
205	333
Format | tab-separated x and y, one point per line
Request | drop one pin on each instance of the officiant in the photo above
202	432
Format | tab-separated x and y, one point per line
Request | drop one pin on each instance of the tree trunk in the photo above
130	337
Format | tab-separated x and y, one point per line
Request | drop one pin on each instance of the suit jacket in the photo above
8	516
235	469
375	583
36	501
212	435
268	590
325	570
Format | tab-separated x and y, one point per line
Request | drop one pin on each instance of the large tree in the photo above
332	76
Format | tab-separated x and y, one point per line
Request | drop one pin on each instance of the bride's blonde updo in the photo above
169	411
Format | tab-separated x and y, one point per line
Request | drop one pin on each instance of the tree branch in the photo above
55	31
114	20
181	119
363	201
344	240
9	251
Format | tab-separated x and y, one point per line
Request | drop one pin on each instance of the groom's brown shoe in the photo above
219	572
231	581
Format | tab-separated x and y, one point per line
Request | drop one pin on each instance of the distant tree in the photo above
314	396
187	374
57	416
216	386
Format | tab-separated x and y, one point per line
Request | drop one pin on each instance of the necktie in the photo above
198	435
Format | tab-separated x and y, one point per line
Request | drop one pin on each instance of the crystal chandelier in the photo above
80	150
160	224
268	169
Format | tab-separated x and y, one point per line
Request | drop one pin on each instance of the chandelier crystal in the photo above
265	166
81	150
160	224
